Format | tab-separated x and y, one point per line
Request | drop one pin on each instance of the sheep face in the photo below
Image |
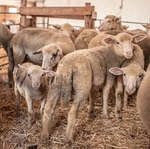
67	29
123	43
36	75
132	76
110	23
52	54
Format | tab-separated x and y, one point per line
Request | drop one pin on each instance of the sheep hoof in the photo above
45	138
68	144
105	116
29	126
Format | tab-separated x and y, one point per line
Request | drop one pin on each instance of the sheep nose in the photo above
35	84
129	53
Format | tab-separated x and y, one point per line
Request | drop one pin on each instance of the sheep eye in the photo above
140	76
61	29
29	75
109	21
72	30
124	74
118	42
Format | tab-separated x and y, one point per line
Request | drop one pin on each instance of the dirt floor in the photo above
113	133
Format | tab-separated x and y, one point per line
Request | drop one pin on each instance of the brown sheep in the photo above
86	71
110	22
143	102
28	41
31	83
84	38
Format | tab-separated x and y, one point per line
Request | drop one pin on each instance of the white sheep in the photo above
110	22
86	71
31	83
28	41
143	102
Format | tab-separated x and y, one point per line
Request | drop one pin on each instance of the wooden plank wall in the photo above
5	17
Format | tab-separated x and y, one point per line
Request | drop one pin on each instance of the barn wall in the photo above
133	10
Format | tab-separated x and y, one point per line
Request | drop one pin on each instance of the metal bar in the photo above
124	21
3	56
9	13
10	24
4	64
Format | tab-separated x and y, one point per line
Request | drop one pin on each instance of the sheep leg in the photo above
17	103
106	91
125	98
30	112
92	97
47	116
118	94
72	116
43	102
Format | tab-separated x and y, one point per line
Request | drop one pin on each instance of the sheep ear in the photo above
57	26
116	71
23	68
108	40
118	20
49	73
146	26
139	37
38	51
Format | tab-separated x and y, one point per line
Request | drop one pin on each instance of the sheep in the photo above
130	71
31	83
144	45
86	71
52	54
147	26
84	38
5	36
143	102
98	40
110	22
132	77
28	41
66	29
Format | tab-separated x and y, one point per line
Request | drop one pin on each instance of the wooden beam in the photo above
48	11
33	23
23	17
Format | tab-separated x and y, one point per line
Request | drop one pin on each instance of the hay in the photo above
125	133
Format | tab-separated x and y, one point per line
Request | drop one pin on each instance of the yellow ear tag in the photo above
117	21
135	40
46	75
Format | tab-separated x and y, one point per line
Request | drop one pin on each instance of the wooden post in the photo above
23	17
89	22
33	17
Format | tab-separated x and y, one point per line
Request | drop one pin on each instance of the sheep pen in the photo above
112	133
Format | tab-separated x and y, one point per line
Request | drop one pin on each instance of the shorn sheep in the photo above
28	41
143	102
31	83
85	71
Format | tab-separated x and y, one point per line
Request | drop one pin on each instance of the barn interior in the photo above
125	133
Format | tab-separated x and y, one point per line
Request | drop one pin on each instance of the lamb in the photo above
85	71
84	38
31	83
110	22
66	29
143	102
5	36
22	47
